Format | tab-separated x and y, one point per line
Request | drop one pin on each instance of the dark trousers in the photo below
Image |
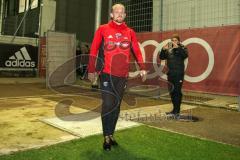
112	89
175	89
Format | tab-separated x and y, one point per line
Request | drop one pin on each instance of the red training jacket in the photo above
112	44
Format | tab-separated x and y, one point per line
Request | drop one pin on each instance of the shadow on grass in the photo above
118	153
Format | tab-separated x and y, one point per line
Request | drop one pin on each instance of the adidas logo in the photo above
20	59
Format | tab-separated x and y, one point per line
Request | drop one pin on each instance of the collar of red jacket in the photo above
114	25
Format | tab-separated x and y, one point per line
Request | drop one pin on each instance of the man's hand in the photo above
92	76
165	47
143	74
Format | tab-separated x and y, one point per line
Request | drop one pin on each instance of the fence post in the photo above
98	14
239	103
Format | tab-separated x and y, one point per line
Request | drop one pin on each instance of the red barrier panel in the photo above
213	65
42	57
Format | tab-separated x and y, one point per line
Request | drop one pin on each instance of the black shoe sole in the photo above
107	146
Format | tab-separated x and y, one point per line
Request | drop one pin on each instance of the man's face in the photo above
175	40
118	14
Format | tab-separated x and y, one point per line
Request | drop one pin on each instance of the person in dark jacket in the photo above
175	53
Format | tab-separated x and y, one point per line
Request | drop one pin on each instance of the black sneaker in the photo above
177	116
113	142
173	115
169	113
107	144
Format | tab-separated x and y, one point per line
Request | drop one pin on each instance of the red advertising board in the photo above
213	65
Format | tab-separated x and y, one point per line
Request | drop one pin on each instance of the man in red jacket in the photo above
109	58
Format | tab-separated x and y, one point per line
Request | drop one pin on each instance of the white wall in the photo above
157	15
48	15
18	40
182	14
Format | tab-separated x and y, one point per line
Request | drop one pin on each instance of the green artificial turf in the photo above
140	143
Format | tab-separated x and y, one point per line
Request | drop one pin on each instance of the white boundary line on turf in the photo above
35	96
45	95
189	135
48	144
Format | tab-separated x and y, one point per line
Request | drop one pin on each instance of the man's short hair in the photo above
175	35
117	5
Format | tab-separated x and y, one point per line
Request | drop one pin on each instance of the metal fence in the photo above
139	14
163	15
